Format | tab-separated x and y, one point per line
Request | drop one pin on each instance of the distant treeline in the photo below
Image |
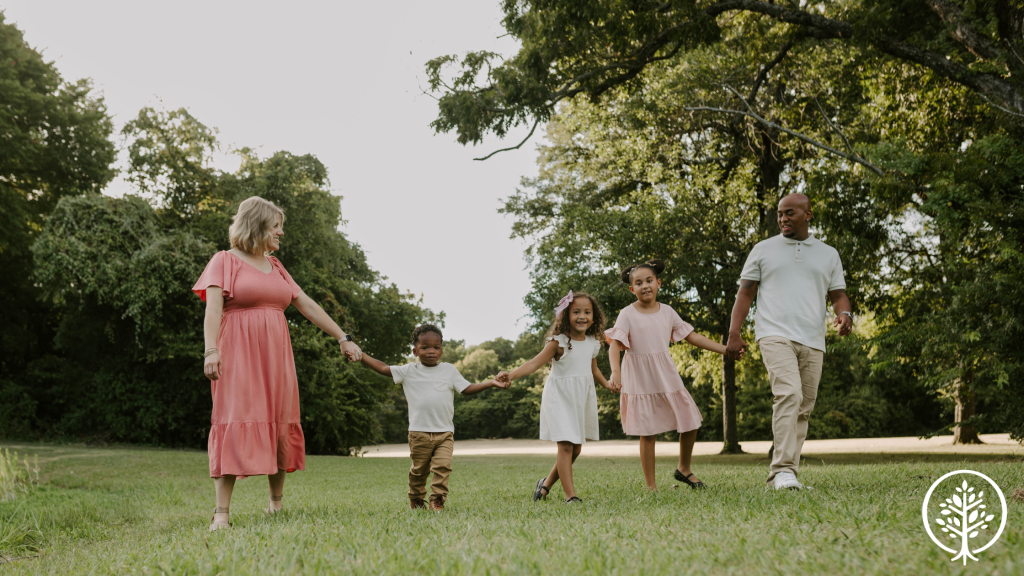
853	401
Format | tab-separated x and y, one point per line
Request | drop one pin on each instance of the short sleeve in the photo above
752	267
680	328
220	271
562	339
398	373
458	381
620	331
288	277
838	280
597	348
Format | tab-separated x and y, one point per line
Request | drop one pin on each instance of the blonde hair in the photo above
250	228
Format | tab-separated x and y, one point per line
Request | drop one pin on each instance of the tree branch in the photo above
516	147
988	84
763	74
833	126
750	113
963	32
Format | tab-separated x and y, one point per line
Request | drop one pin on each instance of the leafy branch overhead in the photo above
586	48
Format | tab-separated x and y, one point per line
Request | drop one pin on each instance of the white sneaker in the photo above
786	480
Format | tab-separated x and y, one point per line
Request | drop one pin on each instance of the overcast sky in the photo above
342	81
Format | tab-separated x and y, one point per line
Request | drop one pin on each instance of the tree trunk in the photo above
964	411
729	430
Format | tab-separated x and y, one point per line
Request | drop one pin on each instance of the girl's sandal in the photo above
216	524
695	485
540	490
574	500
270	506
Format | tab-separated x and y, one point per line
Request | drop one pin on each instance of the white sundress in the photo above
568	406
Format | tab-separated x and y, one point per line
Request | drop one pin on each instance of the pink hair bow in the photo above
563	303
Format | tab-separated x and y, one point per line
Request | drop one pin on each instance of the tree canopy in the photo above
675	128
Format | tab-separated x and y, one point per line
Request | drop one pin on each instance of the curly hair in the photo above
423	329
561	325
654	265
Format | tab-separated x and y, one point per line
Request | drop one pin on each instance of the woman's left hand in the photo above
351	351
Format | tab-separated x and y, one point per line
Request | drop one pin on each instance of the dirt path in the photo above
993	444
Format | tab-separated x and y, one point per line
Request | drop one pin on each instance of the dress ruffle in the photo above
255	448
614	333
220	271
681	332
650	414
654	399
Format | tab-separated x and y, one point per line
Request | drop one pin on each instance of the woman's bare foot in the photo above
275	505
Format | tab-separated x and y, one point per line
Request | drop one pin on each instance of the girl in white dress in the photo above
568	407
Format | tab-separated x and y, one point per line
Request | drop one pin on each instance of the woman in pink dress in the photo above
255	428
654	399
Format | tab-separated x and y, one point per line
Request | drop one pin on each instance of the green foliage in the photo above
54	142
131	329
655	151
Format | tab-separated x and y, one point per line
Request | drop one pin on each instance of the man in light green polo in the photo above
791	275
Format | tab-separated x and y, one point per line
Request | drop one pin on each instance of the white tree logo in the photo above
964	516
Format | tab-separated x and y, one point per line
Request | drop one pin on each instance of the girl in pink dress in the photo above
654	399
255	427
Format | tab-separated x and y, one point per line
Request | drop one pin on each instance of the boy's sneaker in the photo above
437	503
786	480
416	503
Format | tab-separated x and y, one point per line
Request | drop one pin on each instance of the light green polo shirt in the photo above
795	277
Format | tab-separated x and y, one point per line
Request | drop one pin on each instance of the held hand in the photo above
504	378
844	323
615	383
212	366
736	347
351	351
503	384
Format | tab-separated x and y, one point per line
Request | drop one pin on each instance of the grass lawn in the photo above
128	510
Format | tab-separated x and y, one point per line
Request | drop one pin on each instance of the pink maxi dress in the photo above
255	424
654	399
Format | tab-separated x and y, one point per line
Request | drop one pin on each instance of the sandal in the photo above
574	500
218	524
540	490
695	485
270	507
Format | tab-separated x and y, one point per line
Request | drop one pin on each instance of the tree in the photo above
54	143
643	175
571	49
882	86
121	269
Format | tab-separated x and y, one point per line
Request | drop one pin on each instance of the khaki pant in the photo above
793	371
430	452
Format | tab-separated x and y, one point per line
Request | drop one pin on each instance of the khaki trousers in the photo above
794	371
430	452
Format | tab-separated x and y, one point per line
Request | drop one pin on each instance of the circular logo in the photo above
965	515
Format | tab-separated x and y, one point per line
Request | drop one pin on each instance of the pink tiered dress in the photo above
653	399
255	425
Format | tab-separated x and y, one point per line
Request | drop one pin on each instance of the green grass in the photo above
129	510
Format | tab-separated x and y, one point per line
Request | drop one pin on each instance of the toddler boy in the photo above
430	387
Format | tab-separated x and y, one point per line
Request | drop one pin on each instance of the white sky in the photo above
340	80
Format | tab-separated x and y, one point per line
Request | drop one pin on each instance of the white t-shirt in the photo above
795	278
430	392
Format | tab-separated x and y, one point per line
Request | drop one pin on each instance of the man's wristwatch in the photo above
346	338
848	314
